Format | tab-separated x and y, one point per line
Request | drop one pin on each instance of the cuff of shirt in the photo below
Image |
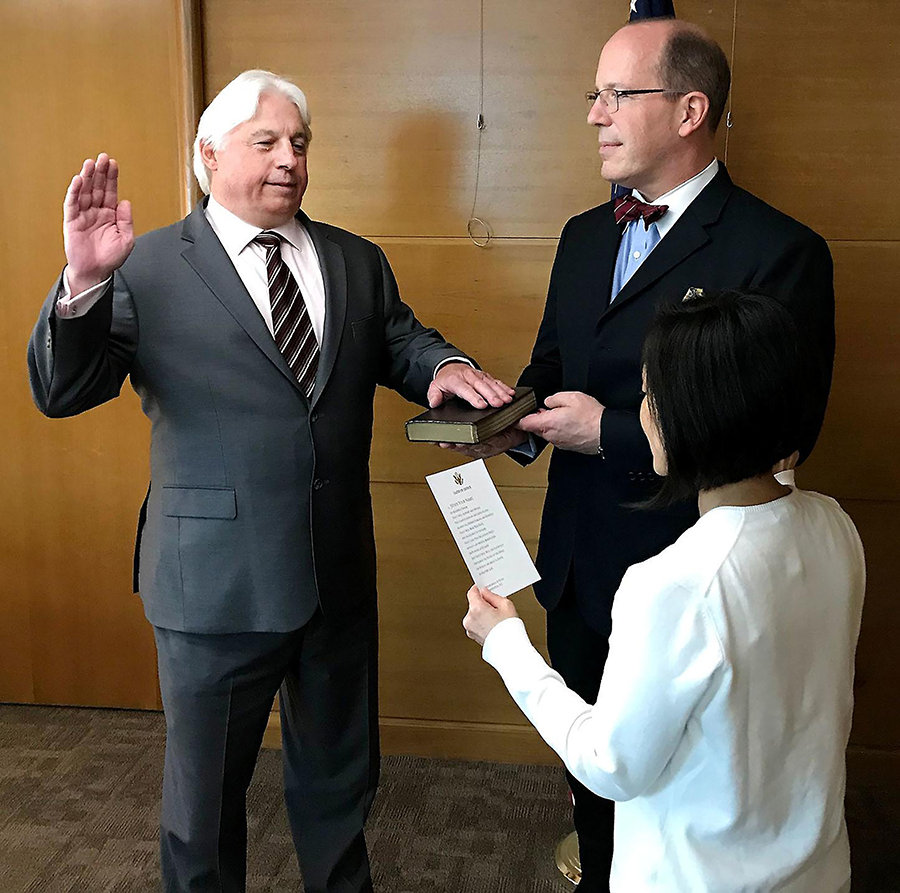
451	360
527	449
69	306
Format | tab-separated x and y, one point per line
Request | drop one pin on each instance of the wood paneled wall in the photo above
394	91
79	77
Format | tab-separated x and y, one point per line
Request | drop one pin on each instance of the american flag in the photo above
644	9
648	9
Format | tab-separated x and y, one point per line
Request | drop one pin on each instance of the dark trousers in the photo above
217	693
578	653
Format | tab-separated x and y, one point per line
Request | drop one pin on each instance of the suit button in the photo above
314	417
631	475
318	483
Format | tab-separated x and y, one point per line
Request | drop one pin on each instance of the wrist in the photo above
453	361
80	281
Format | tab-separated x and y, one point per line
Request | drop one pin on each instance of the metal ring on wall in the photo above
482	241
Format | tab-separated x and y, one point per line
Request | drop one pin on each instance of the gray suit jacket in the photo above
259	505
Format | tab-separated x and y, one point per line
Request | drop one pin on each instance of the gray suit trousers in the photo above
217	694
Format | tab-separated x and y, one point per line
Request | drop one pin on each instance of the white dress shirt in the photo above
249	259
679	198
723	714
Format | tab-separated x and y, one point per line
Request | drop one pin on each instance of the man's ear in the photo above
695	110
208	154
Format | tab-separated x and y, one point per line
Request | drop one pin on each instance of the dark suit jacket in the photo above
259	506
726	238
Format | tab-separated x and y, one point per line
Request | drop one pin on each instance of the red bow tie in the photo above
628	208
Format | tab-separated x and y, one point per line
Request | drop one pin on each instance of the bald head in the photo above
685	59
651	33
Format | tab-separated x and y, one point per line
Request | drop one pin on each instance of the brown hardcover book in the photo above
454	421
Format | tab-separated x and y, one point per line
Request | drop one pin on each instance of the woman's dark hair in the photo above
728	380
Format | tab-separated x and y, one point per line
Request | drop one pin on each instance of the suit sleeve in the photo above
801	273
623	442
77	364
412	351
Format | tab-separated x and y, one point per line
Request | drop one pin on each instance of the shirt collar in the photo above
236	234
681	196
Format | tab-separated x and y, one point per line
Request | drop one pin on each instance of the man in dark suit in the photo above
255	339
660	93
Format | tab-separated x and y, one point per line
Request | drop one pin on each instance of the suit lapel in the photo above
210	261
681	241
685	237
334	274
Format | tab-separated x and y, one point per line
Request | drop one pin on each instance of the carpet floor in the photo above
79	802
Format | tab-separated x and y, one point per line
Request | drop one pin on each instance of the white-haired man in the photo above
255	339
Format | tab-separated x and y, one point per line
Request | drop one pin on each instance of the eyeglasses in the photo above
609	98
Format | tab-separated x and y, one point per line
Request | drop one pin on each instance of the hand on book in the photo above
493	446
570	422
474	386
486	610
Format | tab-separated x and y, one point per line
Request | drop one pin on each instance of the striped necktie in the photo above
293	330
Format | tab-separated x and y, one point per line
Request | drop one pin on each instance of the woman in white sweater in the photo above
723	715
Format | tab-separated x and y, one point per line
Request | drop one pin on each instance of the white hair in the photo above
237	102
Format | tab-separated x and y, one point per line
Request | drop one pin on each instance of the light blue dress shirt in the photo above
637	242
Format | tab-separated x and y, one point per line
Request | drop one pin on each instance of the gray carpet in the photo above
79	801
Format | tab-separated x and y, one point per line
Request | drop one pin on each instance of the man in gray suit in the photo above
255	339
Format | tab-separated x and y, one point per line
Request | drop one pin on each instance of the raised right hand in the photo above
98	231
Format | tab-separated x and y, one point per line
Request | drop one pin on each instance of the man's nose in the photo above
287	156
598	113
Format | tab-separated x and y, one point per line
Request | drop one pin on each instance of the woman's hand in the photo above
486	610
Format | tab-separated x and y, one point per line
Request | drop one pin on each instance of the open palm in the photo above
97	228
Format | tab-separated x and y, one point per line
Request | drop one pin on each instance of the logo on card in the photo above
458	478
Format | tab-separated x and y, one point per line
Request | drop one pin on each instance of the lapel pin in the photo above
692	293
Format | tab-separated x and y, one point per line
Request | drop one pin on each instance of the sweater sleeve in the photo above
664	654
